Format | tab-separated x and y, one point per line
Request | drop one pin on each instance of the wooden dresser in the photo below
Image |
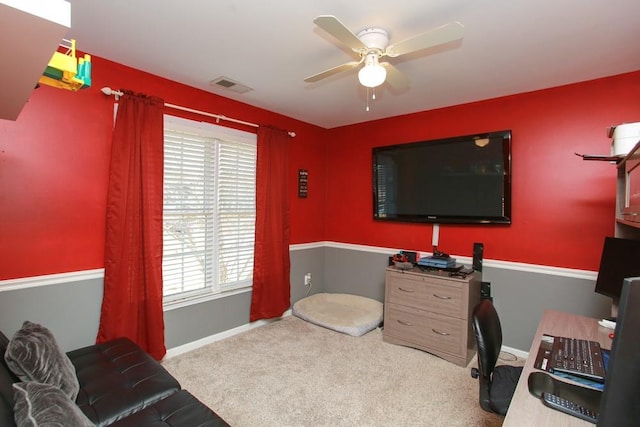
431	311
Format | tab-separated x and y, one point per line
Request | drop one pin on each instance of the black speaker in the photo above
478	249
485	290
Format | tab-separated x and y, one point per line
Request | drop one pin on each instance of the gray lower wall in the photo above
520	299
197	321
355	272
520	296
72	310
194	322
304	261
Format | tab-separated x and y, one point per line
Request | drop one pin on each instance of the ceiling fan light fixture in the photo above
372	74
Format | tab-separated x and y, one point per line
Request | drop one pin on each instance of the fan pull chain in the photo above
373	96
367	109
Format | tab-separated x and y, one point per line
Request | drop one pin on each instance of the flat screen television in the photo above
464	179
620	259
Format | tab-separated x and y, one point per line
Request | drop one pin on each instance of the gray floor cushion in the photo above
350	314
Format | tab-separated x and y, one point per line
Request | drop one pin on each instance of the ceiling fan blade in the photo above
337	29
331	71
396	78
437	36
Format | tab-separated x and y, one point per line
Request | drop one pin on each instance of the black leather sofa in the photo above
120	385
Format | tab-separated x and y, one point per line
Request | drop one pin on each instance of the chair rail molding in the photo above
98	273
50	279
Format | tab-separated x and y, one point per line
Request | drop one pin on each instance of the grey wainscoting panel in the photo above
197	321
521	297
303	261
193	322
355	272
70	310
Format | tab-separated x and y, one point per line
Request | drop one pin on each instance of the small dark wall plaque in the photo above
303	181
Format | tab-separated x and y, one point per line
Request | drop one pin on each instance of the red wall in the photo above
562	206
54	162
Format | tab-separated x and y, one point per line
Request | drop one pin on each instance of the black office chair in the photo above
497	383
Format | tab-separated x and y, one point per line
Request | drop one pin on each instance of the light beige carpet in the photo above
294	373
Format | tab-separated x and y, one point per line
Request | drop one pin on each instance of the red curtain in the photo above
132	300
271	285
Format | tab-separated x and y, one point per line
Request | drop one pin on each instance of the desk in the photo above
526	409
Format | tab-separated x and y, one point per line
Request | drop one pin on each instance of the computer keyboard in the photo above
568	407
578	357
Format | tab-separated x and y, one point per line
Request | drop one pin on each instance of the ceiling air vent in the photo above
229	84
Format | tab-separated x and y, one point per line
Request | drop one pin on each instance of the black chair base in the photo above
503	385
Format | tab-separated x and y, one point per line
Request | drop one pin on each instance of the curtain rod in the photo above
108	91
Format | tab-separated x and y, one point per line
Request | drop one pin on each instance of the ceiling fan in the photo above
372	44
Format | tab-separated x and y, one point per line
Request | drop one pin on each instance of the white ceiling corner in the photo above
509	47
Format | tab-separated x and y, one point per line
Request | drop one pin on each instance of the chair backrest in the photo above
486	325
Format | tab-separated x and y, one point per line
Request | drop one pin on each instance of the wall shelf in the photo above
628	195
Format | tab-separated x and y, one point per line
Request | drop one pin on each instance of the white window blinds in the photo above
209	208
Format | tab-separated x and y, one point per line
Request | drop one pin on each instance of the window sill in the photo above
198	299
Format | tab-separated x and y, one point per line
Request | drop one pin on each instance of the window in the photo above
209	209
384	181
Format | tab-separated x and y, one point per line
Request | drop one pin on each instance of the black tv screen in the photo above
464	179
620	259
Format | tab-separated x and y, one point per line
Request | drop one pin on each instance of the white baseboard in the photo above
515	352
193	345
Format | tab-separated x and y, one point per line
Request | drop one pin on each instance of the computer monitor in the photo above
620	402
620	259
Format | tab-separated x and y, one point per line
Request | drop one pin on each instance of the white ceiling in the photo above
510	46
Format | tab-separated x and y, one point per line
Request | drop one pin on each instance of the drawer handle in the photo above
441	297
440	333
405	323
406	290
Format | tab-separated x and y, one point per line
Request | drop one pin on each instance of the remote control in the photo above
568	407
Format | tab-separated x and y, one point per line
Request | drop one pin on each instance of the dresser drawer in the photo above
426	330
431	294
